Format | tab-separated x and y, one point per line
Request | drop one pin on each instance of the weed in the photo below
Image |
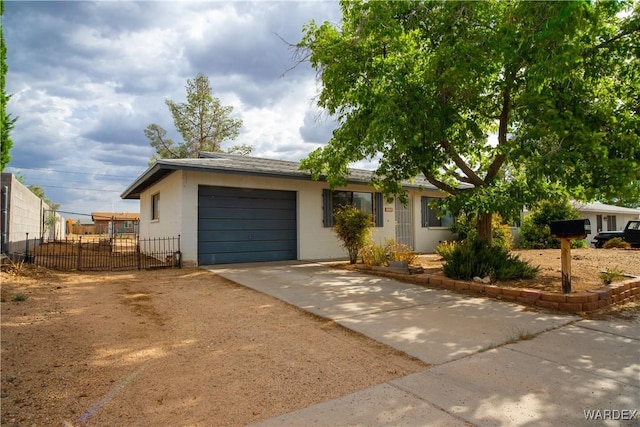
20	297
518	334
611	275
616	242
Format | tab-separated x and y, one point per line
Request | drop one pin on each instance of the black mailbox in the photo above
571	228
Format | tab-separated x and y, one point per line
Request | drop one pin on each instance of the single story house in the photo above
230	208
115	222
606	217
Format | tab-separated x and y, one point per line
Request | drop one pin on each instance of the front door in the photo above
404	223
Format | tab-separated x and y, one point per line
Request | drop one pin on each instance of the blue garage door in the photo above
245	225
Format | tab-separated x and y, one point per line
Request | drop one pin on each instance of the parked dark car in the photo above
630	234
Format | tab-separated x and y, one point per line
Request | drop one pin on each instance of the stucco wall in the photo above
621	221
179	213
25	212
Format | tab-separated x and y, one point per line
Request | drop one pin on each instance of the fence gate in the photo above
104	254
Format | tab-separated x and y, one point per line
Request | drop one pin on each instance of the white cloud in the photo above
88	77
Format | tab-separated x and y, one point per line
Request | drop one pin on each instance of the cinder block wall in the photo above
22	213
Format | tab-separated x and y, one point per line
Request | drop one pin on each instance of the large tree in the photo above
6	121
498	104
202	121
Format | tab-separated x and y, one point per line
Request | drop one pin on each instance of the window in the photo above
370	203
155	206
432	217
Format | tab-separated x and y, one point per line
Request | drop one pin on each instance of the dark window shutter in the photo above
327	208
379	209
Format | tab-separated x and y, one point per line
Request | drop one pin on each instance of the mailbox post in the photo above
566	231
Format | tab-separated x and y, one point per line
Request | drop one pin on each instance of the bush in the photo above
445	249
352	227
380	255
579	244
374	255
616	242
465	228
535	232
473	258
400	252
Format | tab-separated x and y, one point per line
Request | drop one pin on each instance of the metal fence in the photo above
103	254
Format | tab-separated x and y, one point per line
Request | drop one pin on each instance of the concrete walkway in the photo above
494	363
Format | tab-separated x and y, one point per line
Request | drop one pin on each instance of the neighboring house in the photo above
114	223
606	217
229	208
23	212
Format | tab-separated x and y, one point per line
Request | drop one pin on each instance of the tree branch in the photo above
462	165
503	128
628	31
439	184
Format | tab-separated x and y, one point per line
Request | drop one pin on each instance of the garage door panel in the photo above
248	213
232	258
245	225
232	235
245	192
249	246
243	203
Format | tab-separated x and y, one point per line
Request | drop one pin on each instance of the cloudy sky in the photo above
87	78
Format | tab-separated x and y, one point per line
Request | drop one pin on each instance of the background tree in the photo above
6	121
535	232
202	121
38	191
423	85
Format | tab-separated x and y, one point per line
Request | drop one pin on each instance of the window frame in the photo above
155	207
430	216
328	205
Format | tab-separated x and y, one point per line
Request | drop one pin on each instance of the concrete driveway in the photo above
493	363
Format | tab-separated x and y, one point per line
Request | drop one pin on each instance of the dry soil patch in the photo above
586	266
170	347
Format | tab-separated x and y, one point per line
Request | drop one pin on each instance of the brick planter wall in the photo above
616	293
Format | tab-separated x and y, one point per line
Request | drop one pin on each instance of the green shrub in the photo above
616	242
380	255
464	227
20	297
473	258
579	244
374	255
535	232
611	276
445	249
352	227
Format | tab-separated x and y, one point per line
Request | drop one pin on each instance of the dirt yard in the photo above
186	347
170	347
586	266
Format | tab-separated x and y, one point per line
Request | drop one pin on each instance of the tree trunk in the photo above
484	227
